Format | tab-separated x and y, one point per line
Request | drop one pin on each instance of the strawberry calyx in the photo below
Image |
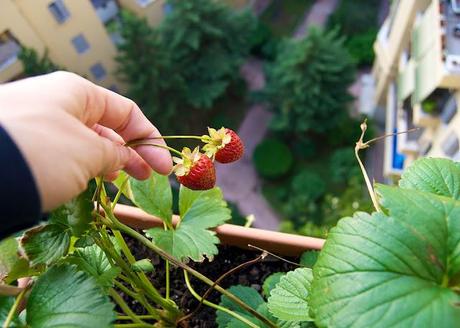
215	141
185	163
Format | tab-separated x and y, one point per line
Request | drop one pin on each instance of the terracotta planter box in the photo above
233	235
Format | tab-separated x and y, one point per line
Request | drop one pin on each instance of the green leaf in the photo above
6	302
94	262
270	282
12	264
187	197
309	258
248	295
435	218
144	265
46	244
153	195
435	175
191	239
186	242
65	297
379	271
288	301
76	214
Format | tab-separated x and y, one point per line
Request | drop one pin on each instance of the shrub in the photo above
361	48
343	165
308	84
272	158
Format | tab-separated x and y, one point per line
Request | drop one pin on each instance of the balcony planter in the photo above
233	235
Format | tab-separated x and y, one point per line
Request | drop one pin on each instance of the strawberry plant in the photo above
398	266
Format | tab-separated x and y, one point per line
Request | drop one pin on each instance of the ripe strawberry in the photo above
195	170
224	145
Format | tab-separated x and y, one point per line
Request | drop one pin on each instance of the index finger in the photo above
121	114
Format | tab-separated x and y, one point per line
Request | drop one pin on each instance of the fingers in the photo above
95	104
136	166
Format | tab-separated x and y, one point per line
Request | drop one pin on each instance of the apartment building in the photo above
78	35
417	80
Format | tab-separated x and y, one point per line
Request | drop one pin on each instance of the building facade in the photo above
80	36
417	80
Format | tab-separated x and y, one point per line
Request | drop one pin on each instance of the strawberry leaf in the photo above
153	195
439	176
288	300
65	297
94	262
388	271
270	282
76	214
191	240
12	264
46	244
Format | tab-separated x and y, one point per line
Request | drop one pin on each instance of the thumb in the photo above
114	156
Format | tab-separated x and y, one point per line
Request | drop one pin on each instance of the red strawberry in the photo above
195	170
223	145
232	151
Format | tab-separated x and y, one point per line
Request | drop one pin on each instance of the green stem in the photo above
131	232
119	193
133	325
14	308
153	312
119	300
215	306
142	143
127	317
168	137
167	280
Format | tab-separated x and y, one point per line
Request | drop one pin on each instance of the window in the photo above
143	3
59	11
98	71
9	50
80	43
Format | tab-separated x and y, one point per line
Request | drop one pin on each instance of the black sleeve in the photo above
19	199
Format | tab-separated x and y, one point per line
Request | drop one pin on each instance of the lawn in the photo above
284	15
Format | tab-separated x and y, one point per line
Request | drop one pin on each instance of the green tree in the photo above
148	69
207	41
308	84
34	64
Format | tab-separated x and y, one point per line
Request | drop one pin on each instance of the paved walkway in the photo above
240	182
316	16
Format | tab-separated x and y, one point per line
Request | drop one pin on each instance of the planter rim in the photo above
229	234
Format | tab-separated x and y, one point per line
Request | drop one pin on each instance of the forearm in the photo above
19	198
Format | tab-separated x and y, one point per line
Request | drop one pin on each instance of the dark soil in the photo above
228	258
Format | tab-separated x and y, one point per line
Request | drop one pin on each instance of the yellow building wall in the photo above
153	11
11	20
57	37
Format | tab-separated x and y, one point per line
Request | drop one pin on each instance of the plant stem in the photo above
133	325
138	297
142	143
216	306
167	279
119	192
131	232
119	300
14	308
167	137
361	145
127	317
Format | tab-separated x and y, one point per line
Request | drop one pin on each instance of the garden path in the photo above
240	182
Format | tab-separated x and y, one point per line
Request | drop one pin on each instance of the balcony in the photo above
106	9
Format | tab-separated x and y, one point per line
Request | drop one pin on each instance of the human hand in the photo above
70	130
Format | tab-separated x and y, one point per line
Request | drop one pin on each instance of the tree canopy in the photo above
308	84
